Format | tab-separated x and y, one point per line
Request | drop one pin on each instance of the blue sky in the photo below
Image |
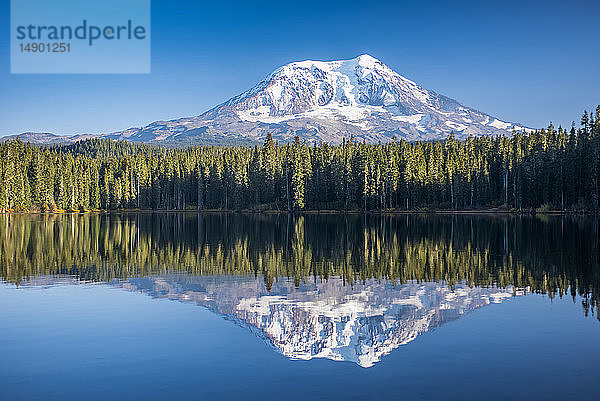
527	62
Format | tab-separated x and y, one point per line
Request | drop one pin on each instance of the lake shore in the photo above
482	211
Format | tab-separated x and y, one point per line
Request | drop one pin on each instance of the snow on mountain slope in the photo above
327	102
351	89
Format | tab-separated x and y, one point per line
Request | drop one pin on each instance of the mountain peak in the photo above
367	60
364	61
327	101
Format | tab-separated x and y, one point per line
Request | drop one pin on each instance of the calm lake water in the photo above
212	307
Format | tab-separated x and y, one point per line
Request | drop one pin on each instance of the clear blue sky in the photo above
527	62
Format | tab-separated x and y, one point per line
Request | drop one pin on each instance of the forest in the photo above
548	169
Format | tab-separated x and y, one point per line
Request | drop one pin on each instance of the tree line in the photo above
546	169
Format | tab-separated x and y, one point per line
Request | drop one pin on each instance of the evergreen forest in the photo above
547	169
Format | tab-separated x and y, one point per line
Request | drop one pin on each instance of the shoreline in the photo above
483	212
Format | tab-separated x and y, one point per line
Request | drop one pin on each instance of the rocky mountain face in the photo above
47	138
359	323
325	102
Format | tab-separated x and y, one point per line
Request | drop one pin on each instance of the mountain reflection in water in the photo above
327	319
359	323
343	287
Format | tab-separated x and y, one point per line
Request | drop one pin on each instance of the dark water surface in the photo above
190	306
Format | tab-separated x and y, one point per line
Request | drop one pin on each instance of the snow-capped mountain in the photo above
325	102
359	323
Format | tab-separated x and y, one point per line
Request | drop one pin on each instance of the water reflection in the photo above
358	323
326	319
348	288
552	255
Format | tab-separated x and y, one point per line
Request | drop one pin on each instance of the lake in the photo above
239	306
